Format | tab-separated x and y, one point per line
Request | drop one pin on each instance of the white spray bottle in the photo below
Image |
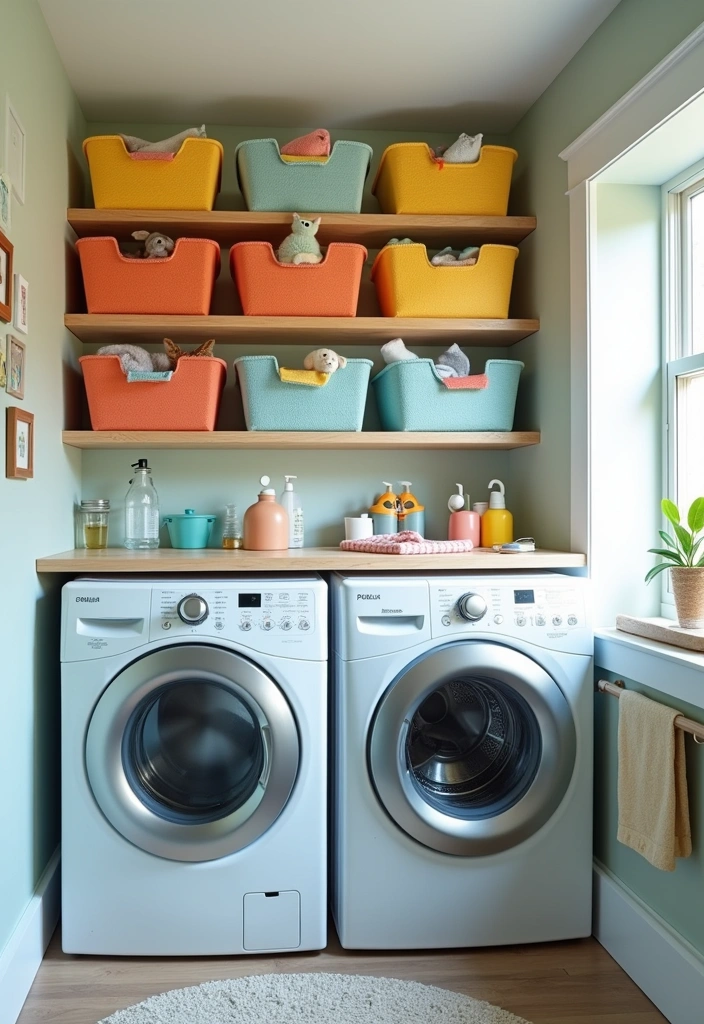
292	503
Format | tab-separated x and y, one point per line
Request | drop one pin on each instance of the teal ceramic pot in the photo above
187	530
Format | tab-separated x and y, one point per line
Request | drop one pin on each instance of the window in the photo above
684	336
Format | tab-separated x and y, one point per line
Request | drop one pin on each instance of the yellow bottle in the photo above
497	521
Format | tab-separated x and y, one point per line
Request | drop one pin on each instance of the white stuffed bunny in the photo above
324	360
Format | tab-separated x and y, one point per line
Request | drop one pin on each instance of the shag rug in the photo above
312	999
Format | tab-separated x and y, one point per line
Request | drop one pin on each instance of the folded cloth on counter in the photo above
474	382
653	808
170	145
407	542
311	378
134	376
316	143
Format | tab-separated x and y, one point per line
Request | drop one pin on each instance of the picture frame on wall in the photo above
20	303
3	368
15	150
5	203
6	279
16	350
19	453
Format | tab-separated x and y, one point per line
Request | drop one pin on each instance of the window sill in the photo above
662	667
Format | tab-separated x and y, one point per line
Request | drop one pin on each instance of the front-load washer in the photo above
462	750
194	776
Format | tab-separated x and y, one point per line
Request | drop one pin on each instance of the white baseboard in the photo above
21	957
664	965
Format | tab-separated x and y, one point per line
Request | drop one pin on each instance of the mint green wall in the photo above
36	514
631	41
678	897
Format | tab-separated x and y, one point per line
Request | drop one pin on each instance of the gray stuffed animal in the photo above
156	245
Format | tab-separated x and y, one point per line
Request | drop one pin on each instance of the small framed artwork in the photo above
20	307
5	204
15	366
3	368
15	150
6	251
19	459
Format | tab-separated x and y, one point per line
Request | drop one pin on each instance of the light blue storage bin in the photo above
272	404
411	396
268	182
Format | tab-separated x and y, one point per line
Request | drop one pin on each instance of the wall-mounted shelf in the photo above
276	440
163	560
298	330
370	229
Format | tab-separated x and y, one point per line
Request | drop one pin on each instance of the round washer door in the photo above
472	748
192	752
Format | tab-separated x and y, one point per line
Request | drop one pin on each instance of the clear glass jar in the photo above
93	519
232	531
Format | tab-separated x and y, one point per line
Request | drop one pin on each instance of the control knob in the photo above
472	607
193	610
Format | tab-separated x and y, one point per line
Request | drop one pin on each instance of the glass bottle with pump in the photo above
142	510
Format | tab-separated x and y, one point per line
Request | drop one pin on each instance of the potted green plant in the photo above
683	557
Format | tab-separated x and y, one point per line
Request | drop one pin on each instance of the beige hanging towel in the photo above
653	809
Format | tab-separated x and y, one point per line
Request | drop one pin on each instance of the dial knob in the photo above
193	610
472	607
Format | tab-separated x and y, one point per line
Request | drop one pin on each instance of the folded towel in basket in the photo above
154	375
407	542
312	378
475	382
316	143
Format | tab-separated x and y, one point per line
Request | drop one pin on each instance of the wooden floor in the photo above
557	983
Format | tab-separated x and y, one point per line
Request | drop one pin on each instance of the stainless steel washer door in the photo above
192	752
472	748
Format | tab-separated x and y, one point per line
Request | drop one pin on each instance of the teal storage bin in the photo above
187	530
411	396
268	182
272	404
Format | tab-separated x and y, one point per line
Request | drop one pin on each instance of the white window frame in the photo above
677	358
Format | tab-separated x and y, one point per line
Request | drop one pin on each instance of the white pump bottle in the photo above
292	503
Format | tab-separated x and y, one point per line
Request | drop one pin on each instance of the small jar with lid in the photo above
93	523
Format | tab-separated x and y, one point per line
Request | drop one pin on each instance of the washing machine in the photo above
194	765
462	760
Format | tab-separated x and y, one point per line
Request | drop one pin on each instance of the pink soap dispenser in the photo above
463	524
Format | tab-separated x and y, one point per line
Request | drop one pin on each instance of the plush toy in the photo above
174	352
324	360
133	357
301	246
156	245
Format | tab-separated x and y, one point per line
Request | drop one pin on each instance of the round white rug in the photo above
312	999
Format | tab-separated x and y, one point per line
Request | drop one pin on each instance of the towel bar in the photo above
687	725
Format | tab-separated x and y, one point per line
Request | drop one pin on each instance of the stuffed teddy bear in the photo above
156	245
301	246
324	360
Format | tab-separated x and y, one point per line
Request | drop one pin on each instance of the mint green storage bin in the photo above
268	182
411	396
272	404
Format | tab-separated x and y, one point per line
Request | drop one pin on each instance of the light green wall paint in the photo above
631	41
678	897
36	514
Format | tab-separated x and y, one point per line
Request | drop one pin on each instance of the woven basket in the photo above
688	588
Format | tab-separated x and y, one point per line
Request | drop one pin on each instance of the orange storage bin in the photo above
189	401
411	179
407	284
187	180
180	284
270	288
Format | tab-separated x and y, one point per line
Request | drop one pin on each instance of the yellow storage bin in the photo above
407	284
186	180
411	179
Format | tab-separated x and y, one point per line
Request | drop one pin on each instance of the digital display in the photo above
524	596
249	600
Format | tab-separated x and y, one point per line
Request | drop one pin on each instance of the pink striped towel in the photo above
408	542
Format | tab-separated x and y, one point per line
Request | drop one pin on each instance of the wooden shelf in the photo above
370	229
163	560
298	330
276	440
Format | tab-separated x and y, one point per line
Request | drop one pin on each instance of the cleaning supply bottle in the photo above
266	522
497	521
411	515
232	532
141	509
463	524
384	511
292	503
